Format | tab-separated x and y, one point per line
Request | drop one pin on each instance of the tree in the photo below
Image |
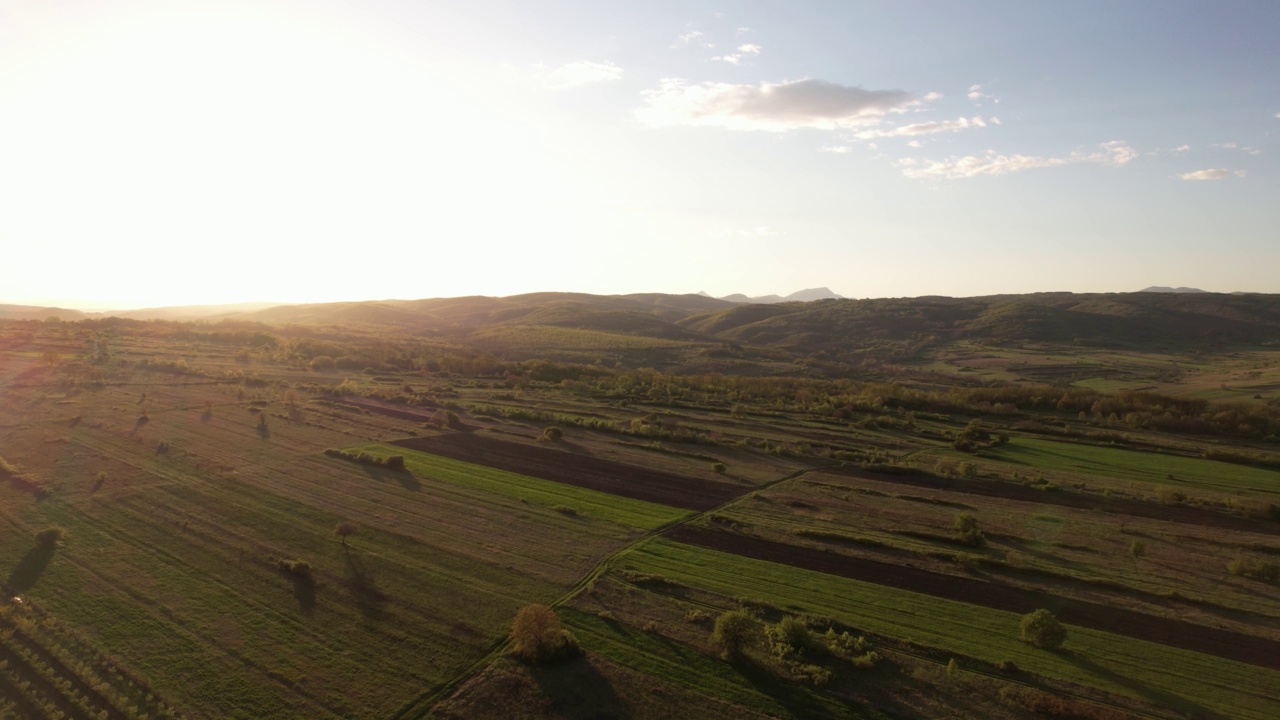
1043	630
733	631
344	530
538	636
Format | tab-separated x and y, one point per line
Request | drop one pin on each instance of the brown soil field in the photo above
1211	641
581	470
1065	498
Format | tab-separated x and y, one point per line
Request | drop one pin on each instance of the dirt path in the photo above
1166	631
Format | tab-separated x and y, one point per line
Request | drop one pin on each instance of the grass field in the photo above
1186	472
589	503
1176	679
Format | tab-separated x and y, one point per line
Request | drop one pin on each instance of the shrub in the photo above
1257	569
538	636
718	468
552	434
50	536
733	631
1043	630
297	568
966	526
1137	548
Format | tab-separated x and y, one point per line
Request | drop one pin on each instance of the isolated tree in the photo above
538	636
733	632
1043	630
344	530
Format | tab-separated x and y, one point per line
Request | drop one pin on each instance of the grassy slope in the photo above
1169	677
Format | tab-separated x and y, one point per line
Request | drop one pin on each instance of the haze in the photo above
167	153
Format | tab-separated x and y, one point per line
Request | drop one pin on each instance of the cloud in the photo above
584	72
689	37
977	95
736	58
1114	154
926	128
1181	149
1210	174
837	149
775	107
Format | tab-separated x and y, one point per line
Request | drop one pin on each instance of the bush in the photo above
718	468
1043	630
50	536
552	434
733	631
538	636
966	525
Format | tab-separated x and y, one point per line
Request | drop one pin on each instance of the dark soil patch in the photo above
581	470
1117	505
401	412
1166	631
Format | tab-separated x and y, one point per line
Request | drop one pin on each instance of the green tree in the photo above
1043	630
538	636
733	632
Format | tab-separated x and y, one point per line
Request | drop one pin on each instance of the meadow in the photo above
334	520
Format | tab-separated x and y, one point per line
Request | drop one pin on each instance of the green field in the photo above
1187	472
589	503
1173	678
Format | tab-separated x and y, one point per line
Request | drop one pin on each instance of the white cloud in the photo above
584	72
750	49
731	59
1181	149
689	37
775	107
1278	116
1114	153
977	95
926	128
837	149
744	30
1240	173
1209	174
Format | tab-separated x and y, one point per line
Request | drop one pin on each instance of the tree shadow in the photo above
304	591
798	699
1160	697
576	690
403	477
368	598
264	432
30	568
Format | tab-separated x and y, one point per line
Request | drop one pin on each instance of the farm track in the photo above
629	481
1114	505
1165	631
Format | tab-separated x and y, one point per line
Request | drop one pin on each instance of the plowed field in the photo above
581	470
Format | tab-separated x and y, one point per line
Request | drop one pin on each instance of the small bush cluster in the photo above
297	568
1043	630
394	462
1264	570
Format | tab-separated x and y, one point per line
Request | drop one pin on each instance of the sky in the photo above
179	152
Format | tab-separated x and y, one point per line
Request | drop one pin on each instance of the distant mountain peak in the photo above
1179	290
822	293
